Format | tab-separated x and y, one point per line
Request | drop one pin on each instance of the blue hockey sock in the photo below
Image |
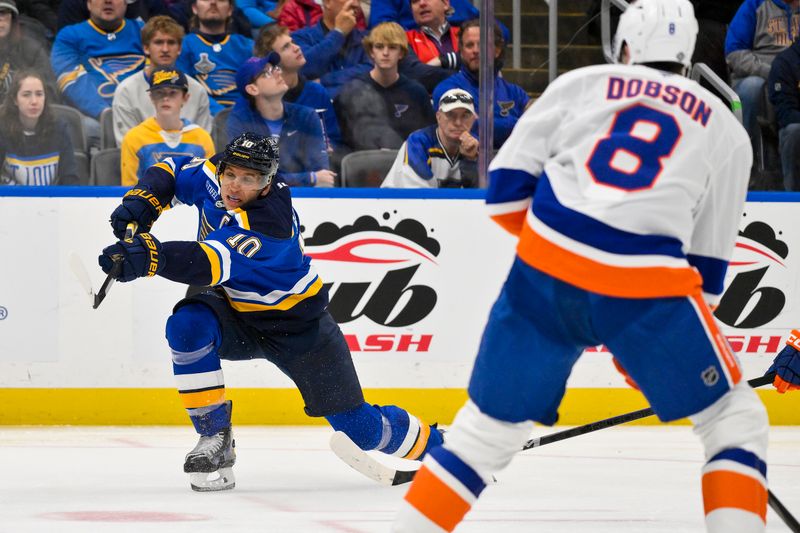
388	429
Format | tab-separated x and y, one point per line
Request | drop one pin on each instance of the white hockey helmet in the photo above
657	31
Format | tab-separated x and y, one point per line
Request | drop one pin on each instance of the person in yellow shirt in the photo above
166	134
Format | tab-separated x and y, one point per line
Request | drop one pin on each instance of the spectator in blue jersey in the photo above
759	31
381	108
166	134
276	38
443	155
161	41
510	100
335	55
19	51
297	128
90	58
33	147
784	93
211	54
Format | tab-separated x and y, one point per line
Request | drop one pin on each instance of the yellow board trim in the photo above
93	407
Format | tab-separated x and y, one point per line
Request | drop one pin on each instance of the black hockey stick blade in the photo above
106	286
130	231
783	513
619	419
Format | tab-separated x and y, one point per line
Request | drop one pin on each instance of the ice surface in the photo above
130	479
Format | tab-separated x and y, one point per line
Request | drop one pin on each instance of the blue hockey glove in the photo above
138	205
141	257
787	365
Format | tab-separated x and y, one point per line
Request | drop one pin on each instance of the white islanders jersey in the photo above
626	181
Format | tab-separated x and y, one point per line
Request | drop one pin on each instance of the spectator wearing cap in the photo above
381	108
443	155
92	57
510	100
276	38
304	158
166	134
211	54
161	41
20	52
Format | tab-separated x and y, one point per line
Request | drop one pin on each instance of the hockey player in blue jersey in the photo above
264	300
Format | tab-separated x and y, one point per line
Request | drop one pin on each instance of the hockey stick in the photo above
367	465
617	420
349	452
783	513
76	265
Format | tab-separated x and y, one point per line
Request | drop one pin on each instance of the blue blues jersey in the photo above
90	62
214	65
254	253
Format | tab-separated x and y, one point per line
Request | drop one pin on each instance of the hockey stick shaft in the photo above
783	512
130	231
617	420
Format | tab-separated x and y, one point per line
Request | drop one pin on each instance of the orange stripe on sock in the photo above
422	441
193	400
726	489
436	500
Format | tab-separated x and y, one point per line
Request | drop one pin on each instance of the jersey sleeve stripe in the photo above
166	167
220	258
611	280
509	185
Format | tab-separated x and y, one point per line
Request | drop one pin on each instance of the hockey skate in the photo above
210	463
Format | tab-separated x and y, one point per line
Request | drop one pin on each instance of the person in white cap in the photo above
443	155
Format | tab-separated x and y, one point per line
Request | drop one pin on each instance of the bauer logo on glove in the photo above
141	257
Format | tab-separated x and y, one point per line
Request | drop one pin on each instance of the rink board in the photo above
412	277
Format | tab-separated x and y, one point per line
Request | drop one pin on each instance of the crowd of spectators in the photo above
151	79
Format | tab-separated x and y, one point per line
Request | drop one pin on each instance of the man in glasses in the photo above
297	128
443	155
264	301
